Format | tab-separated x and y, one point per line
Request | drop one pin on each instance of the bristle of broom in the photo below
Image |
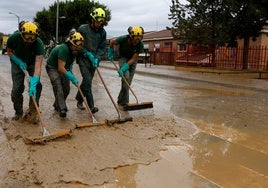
43	140
118	121
89	124
138	106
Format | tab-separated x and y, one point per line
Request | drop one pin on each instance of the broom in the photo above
46	136
94	121
137	105
119	119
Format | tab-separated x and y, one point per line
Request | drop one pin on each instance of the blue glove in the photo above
19	62
71	67
123	69
96	62
34	80
110	54
71	77
90	56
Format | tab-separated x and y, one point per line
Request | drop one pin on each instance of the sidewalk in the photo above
229	78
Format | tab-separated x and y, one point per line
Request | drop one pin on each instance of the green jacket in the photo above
125	49
62	52
95	41
26	53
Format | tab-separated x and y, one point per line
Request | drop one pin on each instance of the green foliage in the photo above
248	18
217	22
1	40
75	13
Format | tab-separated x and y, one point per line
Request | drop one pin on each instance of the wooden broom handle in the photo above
125	80
34	101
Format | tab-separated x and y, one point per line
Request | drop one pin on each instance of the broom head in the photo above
44	139
118	121
89	124
138	106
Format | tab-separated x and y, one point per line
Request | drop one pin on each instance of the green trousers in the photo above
123	97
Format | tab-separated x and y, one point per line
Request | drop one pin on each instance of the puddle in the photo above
229	164
209	161
174	169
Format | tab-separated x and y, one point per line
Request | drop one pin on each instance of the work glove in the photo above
19	62
123	69
96	62
71	77
71	67
110	54
90	56
34	80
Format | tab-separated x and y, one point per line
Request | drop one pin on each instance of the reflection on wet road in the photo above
173	170
228	164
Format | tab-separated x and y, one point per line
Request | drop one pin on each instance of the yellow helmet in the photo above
98	14
29	30
136	32
76	39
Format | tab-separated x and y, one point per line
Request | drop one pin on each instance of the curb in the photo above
176	77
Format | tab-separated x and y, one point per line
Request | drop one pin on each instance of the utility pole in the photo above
16	16
57	22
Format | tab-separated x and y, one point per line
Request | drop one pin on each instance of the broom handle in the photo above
35	103
85	101
125	80
108	92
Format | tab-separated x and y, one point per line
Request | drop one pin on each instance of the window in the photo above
181	47
156	47
167	44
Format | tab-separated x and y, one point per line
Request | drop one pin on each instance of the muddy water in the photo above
172	170
231	148
197	135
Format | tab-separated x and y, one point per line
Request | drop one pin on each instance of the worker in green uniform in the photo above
95	47
129	47
26	52
59	69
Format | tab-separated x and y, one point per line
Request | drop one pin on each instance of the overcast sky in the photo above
151	14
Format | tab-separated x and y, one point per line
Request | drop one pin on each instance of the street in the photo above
205	130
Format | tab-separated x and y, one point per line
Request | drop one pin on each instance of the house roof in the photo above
154	35
264	29
158	35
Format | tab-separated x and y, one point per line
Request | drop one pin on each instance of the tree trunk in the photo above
245	53
213	62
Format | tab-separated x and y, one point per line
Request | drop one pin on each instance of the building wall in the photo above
264	39
261	40
161	45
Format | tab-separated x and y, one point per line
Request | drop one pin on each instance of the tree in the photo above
218	22
199	22
247	18
75	12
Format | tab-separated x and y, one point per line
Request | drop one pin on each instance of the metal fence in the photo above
232	58
162	58
228	58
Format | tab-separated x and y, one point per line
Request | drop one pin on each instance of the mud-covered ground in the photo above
193	137
91	154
